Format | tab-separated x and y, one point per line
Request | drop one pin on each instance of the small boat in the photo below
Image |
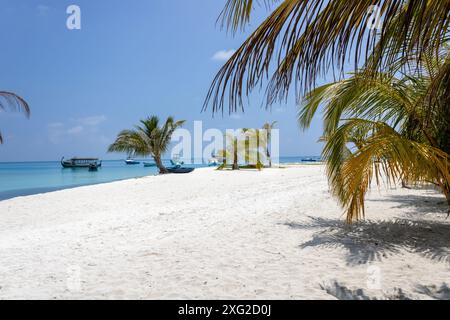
93	167
131	161
149	164
175	161
81	162
309	160
213	162
179	169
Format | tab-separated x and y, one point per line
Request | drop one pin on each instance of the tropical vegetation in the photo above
147	139
380	128
11	101
301	40
247	146
268	127
389	120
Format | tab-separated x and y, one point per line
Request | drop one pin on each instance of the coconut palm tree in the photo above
302	39
248	143
147	139
12	101
268	127
230	152
381	128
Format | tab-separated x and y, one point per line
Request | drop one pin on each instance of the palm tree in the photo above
268	128
382	124
12	101
239	144
146	139
230	152
302	39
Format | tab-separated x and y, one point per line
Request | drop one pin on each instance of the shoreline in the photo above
12	194
273	234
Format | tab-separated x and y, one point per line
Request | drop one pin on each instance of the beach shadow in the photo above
418	204
438	293
368	241
341	292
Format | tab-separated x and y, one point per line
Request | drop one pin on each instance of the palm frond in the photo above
385	155
305	38
147	138
132	142
12	101
236	13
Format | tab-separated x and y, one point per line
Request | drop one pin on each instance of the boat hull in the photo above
180	170
131	162
74	164
149	164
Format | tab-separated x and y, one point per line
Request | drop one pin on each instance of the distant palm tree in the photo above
239	144
147	139
230	152
268	128
12	101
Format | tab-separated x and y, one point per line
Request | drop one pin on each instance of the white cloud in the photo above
223	55
58	131
56	125
75	130
92	121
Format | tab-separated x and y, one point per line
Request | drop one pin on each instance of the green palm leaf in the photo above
12	101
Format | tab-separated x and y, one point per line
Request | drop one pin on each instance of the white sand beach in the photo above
274	234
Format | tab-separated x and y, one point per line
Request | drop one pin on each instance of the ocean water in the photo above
26	178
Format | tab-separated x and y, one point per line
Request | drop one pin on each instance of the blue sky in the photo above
131	59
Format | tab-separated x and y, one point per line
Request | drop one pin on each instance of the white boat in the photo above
131	161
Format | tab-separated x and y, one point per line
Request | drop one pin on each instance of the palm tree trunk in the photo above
269	143
235	156
159	164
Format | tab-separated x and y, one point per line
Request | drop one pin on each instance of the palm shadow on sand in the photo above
341	292
368	241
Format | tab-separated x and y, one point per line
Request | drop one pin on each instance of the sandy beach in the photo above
274	234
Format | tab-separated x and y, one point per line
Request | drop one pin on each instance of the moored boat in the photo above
179	169
131	161
176	161
149	164
213	162
81	162
309	160
93	167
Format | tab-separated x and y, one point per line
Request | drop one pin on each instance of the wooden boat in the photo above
309	160
93	167
179	169
149	164
131	161
81	162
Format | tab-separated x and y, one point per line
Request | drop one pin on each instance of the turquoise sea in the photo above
26	178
